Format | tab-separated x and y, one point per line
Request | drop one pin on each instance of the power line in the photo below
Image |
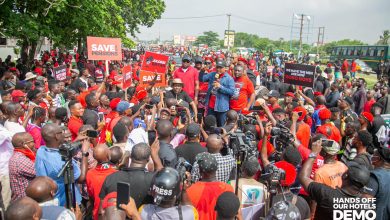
261	22
194	17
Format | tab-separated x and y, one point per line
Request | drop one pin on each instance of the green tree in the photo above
67	22
245	40
384	38
209	37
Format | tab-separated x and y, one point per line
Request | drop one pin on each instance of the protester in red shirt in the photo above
344	67
244	90
190	77
272	100
370	101
95	177
327	128
353	68
75	121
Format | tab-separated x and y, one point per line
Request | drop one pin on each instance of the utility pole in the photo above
228	40
300	36
321	31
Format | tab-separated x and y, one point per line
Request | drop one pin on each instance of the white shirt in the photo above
14	127
137	135
6	149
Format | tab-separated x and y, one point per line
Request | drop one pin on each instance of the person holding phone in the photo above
244	91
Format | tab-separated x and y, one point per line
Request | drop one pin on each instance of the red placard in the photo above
126	73
101	48
146	77
154	62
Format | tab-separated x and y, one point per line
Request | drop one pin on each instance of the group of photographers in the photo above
244	156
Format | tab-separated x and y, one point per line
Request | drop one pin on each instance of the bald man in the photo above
21	164
43	189
24	208
49	161
226	163
167	154
231	120
95	177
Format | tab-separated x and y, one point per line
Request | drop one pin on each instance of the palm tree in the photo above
384	39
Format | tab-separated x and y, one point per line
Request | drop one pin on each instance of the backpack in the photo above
284	210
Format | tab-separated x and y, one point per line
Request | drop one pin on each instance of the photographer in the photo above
49	160
167	205
290	160
226	163
181	96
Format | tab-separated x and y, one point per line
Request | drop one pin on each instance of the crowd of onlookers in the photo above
172	146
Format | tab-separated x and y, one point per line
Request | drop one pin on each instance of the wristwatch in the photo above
85	154
313	155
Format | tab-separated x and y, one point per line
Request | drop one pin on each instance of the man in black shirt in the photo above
180	95
139	178
354	180
191	148
166	153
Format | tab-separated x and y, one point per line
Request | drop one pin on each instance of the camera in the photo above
281	137
241	142
273	178
68	150
182	167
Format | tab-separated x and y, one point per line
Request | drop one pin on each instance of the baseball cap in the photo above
252	64
165	110
273	93
348	100
220	62
324	114
114	103
177	81
227	205
193	130
139	123
309	108
332	149
123	106
368	116
18	93
207	162
290	94
358	174
186	57
300	109
198	59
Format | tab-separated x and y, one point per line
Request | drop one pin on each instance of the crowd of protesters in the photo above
173	145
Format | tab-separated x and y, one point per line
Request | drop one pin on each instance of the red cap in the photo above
18	93
141	94
324	114
289	169
12	69
100	63
317	93
114	103
290	94
300	109
368	116
243	60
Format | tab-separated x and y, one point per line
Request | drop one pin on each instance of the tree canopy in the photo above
209	37
67	22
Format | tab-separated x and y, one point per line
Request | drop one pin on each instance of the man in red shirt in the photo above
243	90
353	68
190	77
272	101
96	176
344	67
204	194
75	121
327	128
370	101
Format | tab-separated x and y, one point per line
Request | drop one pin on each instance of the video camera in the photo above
241	143
182	167
68	150
273	178
281	137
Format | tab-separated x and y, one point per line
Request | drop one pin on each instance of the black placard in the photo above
299	74
60	73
